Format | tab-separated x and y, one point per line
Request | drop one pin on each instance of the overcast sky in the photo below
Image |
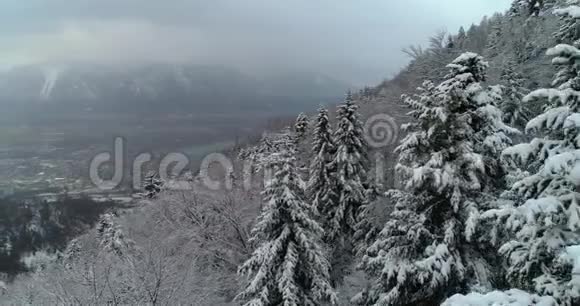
356	41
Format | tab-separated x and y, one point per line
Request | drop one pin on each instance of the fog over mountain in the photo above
160	87
357	43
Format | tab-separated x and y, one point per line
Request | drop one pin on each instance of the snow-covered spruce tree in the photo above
495	35
569	13
367	229
460	38
477	37
450	42
301	126
300	130
347	194
350	165
366	94
288	267
516	113
321	184
546	226
530	7
72	253
421	256
152	185
73	250
111	236
266	152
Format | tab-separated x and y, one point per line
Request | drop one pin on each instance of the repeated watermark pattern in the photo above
380	132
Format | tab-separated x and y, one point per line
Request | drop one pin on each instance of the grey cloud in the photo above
358	41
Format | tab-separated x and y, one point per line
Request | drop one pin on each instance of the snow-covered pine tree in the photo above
476	38
495	35
348	168
350	164
266	152
460	38
515	8
529	7
301	126
535	7
421	256
450	42
569	31
72	253
152	185
526	35
516	112
300	130
288	267
367	229
546	226
111	236
321	184
367	93
72	250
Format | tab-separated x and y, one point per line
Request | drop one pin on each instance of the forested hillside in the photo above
474	201
31	225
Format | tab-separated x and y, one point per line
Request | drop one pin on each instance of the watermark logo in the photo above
101	159
380	131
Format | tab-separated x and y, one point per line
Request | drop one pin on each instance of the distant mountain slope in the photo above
161	87
513	39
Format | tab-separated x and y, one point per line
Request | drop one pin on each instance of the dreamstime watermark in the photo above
380	131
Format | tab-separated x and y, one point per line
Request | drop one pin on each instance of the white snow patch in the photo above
552	119
571	11
523	151
574	175
573	121
563	162
562	49
551	94
512	297
466	57
572	254
542	205
51	76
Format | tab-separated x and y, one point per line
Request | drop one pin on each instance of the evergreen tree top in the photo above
321	181
322	142
468	63
284	199
457	123
349	136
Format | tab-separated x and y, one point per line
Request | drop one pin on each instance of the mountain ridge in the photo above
159	87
